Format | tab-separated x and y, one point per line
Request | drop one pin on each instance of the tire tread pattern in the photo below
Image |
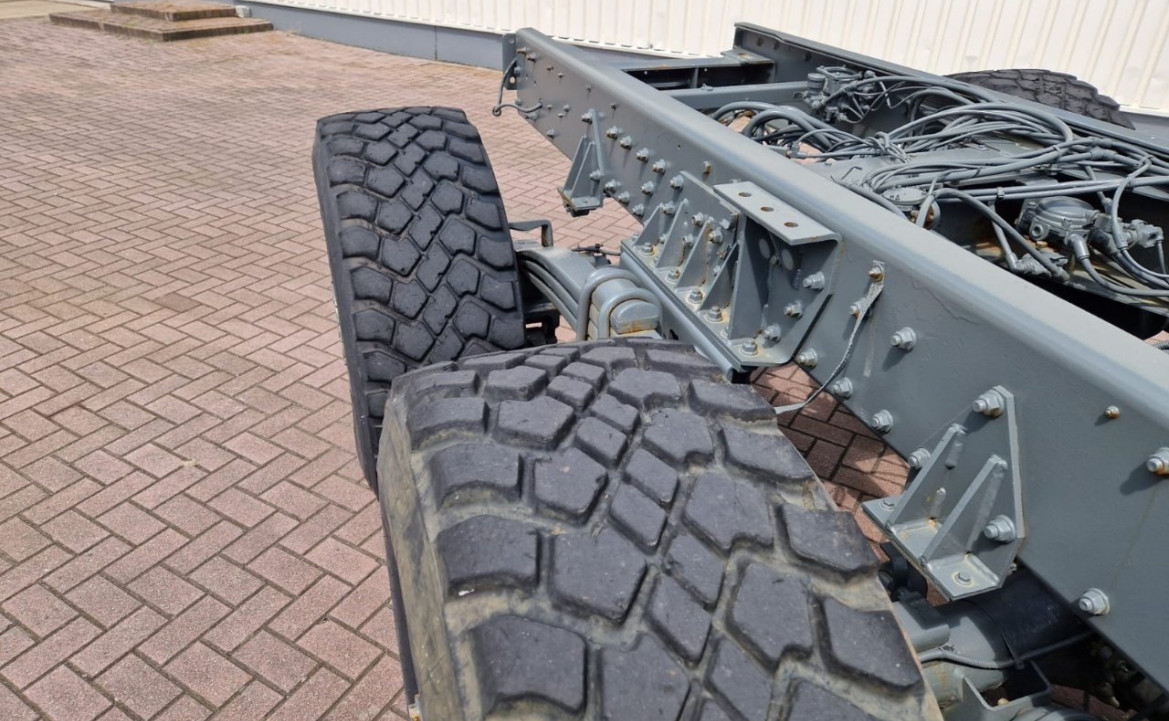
418	243
675	561
1055	90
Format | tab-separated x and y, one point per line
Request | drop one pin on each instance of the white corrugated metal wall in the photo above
1122	46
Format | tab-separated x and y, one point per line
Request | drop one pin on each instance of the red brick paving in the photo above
184	532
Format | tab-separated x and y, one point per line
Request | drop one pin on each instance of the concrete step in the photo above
155	28
174	12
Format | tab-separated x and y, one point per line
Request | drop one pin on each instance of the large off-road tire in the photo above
418	242
1055	90
610	531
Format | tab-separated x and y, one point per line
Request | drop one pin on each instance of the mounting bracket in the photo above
960	519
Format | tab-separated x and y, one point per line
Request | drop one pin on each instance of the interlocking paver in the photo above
276	661
39	610
64	696
19	540
138	687
208	674
179	499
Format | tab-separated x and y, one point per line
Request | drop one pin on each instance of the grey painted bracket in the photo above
961	518
581	192
753	271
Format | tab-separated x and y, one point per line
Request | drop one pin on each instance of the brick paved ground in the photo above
183	529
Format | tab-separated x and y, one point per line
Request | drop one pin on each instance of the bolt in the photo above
659	166
698	220
1112	413
676	182
626	142
855	310
1093	602
714	315
749	348
904	339
623	198
668	209
1159	462
551	132
612	133
807	358
647	188
610	186
638	210
876	273
715	236
695	296
962	578
882	421
918	458
794	310
707	168
674	274
1001	529
586	117
889	503
815	281
642	154
596	175
990	404
841	388
773	332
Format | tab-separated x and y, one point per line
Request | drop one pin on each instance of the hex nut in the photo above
807	358
815	281
841	388
1093	602
882	421
904	339
990	404
1001	529
1159	462
918	458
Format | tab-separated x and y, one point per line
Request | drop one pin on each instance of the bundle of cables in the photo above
1055	160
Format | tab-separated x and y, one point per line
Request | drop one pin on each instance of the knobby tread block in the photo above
1055	90
421	257
551	572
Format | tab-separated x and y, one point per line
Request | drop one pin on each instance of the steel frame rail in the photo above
1033	410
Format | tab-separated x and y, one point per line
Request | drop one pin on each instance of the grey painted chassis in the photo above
1072	409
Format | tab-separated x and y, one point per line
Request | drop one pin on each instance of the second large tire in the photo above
418	243
609	530
1055	90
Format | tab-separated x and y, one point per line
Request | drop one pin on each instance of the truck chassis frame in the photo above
1036	430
